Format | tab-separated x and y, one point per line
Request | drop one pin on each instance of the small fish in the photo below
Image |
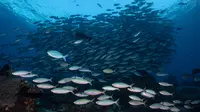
82	35
188	101
133	97
147	95
69	88
102	81
96	74
135	89
161	74
79	80
72	68
108	71
177	102
165	84
136	40
64	80
165	93
78	41
167	103
138	74
150	91
64	64
104	97
174	109
57	55
164	107
99	5
20	73
61	91
197	79
82	101
121	85
82	94
182	3
136	103
1	35
84	70
28	76
187	106
195	102
16	29
42	80
155	106
93	92
107	102
110	88
179	28
137	34
45	86
196	71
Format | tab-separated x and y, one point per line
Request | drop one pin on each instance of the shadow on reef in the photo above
16	95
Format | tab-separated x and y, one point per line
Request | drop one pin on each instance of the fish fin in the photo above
92	100
131	85
145	88
72	92
56	85
65	57
90	83
116	102
173	94
111	96
51	79
118	89
104	92
145	103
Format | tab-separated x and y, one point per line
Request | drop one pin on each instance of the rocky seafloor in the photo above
16	95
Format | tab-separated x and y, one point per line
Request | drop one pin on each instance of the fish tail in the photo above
72	92
64	57
111	96
92	100
145	88
56	85
90	83
51	79
145	103
116	102
131	85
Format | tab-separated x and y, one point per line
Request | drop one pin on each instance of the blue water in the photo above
184	60
24	13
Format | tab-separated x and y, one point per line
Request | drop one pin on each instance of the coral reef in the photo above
16	95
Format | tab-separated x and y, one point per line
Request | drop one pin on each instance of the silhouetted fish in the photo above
99	5
195	71
182	3
179	28
82	35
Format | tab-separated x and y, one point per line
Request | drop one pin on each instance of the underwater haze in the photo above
99	55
